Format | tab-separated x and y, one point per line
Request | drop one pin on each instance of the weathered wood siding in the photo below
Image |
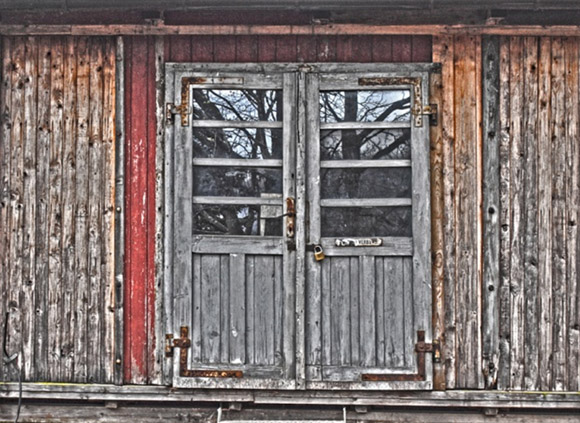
57	206
539	170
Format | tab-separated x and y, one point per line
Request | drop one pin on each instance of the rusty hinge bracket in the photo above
421	348
171	110
430	110
184	343
169	345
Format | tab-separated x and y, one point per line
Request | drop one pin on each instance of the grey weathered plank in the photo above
367	313
95	164
491	207
34	295
278	281
544	214
517	214
210	284
394	312
119	238
381	310
108	210
223	308
467	161
69	282
358	164
250	271
559	265
237	309
237	200
339	305
572	208
325	311
366	202
192	309
264	309
55	292
229	245
444	52
411	317
357	311
199	123
237	162
363	125
81	217
530	247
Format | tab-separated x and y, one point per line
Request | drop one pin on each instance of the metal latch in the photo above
430	110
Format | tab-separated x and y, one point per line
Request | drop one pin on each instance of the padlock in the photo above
318	253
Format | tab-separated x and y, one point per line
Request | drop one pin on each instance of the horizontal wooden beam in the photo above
156	394
331	29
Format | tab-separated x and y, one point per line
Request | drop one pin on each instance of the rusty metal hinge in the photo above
184	343
434	347
171	110
430	110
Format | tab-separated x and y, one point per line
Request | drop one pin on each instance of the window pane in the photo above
365	144
241	143
366	183
366	221
236	182
239	105
237	220
365	106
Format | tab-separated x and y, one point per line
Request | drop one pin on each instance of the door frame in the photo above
299	267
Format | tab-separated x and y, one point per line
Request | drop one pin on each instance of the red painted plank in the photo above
202	48
224	49
286	48
382	48
137	254
402	47
247	48
326	48
422	48
305	48
266	49
354	48
180	50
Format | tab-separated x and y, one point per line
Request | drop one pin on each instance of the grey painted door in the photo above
368	190
229	173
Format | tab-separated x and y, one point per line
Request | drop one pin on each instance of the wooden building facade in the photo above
469	300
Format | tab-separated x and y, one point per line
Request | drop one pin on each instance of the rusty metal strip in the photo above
415	82
183	343
421	348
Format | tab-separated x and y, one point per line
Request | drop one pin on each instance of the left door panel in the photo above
229	217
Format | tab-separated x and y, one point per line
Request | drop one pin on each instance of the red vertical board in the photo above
402	48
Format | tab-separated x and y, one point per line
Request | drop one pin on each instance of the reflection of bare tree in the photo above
235	142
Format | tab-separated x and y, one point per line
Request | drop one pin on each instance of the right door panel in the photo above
368	300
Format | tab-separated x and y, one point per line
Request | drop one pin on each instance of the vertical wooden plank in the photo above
504	376
108	224
367	311
119	151
530	117
246	48
305	48
237	322
409	311
325	277
545	214
224	308
34	290
210	308
202	48
286	48
437	219
81	218
339	303
16	305
95	205
354	48
55	204
444	52
422	47
382	48
402	48
559	267
225	49
250	309
467	137
572	207
326	48
382	325
278	305
5	183
264	309
191	309
266	48
180	49
517	214
395	326
490	100
159	363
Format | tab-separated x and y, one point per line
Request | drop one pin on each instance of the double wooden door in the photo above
297	226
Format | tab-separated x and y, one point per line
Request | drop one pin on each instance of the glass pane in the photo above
237	220
366	221
365	106
236	182
240	105
365	144
241	143
366	183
